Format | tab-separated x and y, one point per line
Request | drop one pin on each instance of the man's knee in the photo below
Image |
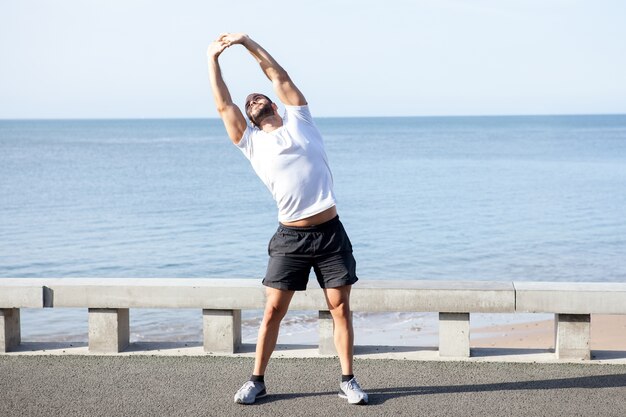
338	298
274	313
276	306
341	312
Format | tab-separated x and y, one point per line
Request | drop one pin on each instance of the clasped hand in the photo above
224	41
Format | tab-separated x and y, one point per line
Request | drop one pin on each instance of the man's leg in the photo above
338	300
276	307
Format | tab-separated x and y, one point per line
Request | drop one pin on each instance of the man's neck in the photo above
271	123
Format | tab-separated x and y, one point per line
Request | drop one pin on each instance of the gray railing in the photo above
109	299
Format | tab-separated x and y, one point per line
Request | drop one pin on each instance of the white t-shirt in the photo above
292	164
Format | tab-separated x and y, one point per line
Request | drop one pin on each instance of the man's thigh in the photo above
287	273
335	270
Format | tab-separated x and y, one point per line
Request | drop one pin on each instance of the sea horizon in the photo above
34	119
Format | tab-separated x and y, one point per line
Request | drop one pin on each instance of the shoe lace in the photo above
353	385
248	386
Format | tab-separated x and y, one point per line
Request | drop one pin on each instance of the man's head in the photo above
258	106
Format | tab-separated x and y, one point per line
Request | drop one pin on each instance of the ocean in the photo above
525	198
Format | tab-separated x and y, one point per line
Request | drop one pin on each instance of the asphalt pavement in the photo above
204	386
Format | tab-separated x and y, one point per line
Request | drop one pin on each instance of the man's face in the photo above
258	107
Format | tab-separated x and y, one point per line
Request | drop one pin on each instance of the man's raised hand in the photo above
233	38
224	41
216	48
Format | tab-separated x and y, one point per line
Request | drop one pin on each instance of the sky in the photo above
147	58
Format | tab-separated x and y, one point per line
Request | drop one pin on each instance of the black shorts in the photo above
294	250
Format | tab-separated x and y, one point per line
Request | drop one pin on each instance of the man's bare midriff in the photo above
314	220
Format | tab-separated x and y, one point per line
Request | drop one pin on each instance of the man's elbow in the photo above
276	74
282	76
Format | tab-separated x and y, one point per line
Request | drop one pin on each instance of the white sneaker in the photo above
352	392
249	392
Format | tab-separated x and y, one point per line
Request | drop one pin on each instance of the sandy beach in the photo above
608	332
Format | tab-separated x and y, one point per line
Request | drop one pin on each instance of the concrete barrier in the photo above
14	296
454	300
109	299
572	303
222	300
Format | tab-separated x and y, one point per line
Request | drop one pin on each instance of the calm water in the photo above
467	198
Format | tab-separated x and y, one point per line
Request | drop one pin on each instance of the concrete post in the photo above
10	336
454	334
326	333
572	336
108	330
222	330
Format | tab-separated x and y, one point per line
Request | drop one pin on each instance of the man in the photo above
288	155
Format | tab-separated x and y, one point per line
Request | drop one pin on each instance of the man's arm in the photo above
285	89
231	115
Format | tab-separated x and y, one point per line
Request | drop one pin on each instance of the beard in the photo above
257	117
